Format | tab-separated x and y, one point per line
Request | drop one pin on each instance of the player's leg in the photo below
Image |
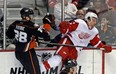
34	61
51	62
70	64
29	61
61	55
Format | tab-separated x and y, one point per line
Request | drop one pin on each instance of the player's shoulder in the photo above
15	23
80	21
95	30
32	25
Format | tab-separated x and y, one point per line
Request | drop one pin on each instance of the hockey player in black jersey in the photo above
26	34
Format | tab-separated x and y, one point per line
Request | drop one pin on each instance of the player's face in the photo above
92	22
30	17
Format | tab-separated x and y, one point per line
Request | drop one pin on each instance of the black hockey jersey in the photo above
25	33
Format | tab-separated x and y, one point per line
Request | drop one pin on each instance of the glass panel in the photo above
1	24
107	19
105	8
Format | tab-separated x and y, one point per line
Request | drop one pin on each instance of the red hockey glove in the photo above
108	48
64	27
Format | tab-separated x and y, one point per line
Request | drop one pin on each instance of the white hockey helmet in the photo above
90	15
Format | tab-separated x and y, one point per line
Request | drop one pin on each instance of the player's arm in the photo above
41	32
66	26
96	42
10	32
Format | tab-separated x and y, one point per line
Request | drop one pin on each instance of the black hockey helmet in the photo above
69	63
26	12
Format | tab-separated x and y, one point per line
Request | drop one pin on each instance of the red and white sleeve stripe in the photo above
96	42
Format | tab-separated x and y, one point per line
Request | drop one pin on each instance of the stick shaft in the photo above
69	45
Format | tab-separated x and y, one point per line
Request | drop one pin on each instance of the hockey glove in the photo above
108	48
49	19
46	35
64	27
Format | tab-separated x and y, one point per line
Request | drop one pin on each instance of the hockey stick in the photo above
47	6
69	45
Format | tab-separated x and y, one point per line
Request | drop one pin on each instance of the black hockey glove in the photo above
49	18
46	35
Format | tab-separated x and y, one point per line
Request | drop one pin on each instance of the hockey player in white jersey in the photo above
78	33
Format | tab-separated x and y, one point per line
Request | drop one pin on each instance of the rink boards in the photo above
89	62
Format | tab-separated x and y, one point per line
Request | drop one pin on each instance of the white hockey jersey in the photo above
82	35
